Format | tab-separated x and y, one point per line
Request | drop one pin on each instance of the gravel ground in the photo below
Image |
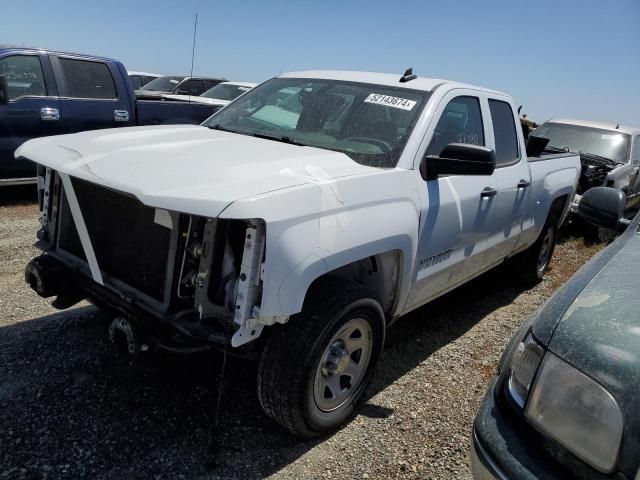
70	407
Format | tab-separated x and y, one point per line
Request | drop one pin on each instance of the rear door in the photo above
454	217
31	110
513	179
92	94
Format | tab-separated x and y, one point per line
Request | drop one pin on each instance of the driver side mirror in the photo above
604	206
459	159
4	95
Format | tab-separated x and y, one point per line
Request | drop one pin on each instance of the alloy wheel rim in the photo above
343	365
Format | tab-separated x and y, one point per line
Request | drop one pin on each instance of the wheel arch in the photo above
560	207
383	266
381	273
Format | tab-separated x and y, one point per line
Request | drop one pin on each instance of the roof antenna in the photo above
519	108
408	76
617	126
193	49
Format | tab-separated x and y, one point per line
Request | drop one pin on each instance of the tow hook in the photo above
123	336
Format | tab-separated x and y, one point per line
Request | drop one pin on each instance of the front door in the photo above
32	110
453	225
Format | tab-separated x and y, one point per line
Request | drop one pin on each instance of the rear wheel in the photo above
533	263
313	370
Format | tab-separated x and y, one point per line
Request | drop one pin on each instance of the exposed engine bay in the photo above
594	172
177	281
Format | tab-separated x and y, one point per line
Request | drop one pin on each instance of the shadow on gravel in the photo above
71	407
18	195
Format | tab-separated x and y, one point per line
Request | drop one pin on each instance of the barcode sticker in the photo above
389	101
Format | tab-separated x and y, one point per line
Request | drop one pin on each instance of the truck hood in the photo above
186	168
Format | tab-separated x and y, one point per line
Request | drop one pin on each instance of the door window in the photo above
460	122
193	87
504	132
24	76
86	79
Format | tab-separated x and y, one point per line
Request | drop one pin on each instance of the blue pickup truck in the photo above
44	92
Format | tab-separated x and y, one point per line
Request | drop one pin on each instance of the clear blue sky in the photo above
558	58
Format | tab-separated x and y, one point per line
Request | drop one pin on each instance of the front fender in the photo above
316	228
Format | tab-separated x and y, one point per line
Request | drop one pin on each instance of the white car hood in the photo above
187	168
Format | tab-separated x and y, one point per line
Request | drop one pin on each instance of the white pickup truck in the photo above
297	223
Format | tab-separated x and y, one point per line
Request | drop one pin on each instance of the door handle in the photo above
488	192
120	116
49	114
523	184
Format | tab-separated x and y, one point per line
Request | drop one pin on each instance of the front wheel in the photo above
313	370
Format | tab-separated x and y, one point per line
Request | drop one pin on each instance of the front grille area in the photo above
128	244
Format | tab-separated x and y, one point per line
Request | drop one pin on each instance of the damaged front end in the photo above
175	281
594	174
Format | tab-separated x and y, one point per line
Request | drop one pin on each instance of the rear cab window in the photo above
24	76
88	79
504	132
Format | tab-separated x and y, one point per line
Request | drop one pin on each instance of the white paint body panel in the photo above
321	209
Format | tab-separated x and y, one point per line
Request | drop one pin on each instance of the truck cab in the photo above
45	92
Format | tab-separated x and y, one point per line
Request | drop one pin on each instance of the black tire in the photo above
294	354
531	265
595	234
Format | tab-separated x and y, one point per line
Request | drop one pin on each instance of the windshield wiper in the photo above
608	160
283	139
217	126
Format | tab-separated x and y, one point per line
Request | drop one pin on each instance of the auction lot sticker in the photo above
389	101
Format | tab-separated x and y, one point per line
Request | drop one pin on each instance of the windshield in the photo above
574	138
225	91
163	84
369	123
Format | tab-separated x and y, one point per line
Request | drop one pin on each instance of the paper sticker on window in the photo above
389	101
173	81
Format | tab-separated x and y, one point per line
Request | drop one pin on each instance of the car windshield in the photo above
225	91
370	123
163	84
575	138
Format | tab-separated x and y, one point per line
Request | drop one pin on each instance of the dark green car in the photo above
566	402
